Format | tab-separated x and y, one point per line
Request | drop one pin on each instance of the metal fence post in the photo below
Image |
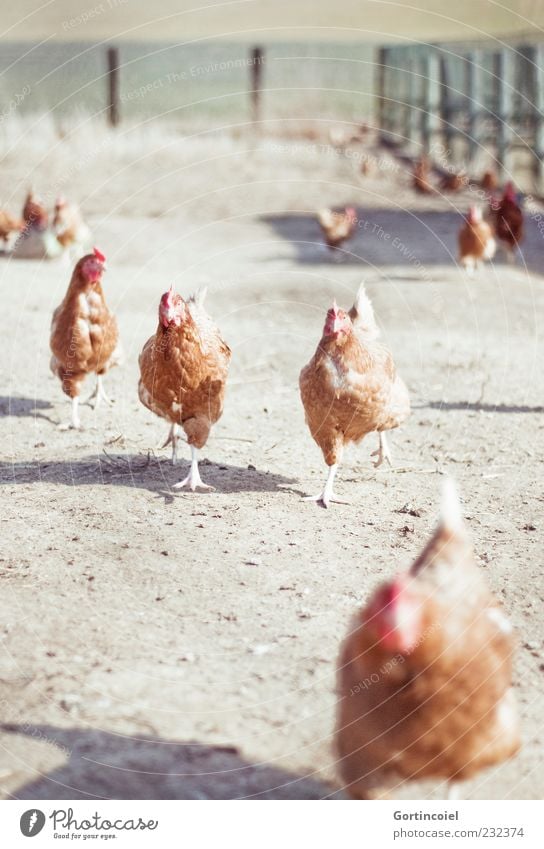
538	113
431	99
474	92
502	66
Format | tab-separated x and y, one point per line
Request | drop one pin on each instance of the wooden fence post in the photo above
409	91
538	113
431	99
502	67
474	97
255	83
113	86
381	97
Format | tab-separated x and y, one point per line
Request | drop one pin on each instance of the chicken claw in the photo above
193	479
98	395
382	453
325	498
328	496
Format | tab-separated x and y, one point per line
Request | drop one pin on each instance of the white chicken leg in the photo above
98	394
328	495
172	439
193	479
382	453
74	423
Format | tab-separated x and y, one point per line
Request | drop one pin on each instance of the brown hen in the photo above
183	373
70	229
425	673
84	334
508	221
350	388
476	240
35	215
9	225
337	227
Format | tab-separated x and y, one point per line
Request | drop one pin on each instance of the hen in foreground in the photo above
350	388
425	673
84	334
183	372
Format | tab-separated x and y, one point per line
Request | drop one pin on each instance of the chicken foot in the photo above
193	479
172	439
382	453
98	395
328	495
74	423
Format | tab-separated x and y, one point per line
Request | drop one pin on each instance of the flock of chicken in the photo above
477	237
425	673
38	235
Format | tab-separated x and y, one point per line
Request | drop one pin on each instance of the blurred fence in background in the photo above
473	101
203	83
485	105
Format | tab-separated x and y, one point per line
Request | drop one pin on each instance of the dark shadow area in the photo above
383	237
111	766
478	406
141	472
23	407
415	239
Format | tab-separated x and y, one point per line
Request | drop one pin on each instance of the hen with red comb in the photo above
350	388
425	673
183	373
84	334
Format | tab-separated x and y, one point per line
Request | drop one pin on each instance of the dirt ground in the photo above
162	644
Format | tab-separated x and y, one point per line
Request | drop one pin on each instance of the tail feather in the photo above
450	540
362	314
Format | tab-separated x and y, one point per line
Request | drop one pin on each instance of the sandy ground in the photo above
163	644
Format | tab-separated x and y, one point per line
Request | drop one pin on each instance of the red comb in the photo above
99	255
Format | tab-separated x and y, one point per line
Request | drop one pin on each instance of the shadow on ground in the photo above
480	407
110	766
24	407
395	237
141	472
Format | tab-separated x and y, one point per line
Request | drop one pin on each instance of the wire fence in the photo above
478	102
